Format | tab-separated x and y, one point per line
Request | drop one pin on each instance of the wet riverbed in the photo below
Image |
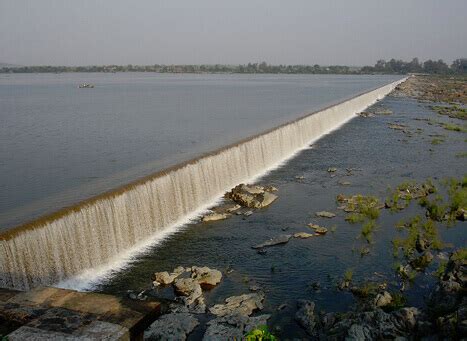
378	157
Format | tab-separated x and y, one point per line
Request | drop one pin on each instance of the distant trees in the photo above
438	67
459	66
393	66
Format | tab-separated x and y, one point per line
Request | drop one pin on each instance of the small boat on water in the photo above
86	86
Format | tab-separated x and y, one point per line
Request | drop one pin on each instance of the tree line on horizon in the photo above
393	66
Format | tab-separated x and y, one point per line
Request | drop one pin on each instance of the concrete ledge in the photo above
52	313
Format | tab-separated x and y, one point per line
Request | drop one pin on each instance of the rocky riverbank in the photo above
226	321
379	315
432	88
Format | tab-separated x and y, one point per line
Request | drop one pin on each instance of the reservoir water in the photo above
105	232
60	144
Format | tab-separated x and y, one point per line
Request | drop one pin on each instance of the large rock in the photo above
281	239
305	315
164	278
218	330
446	296
401	322
358	332
256	321
422	261
374	325
206	277
232	327
169	327
188	287
251	196
383	299
239	305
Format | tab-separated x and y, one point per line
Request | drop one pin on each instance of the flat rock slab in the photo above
215	216
175	326
96	330
233	327
282	239
70	312
243	305
303	235
325	214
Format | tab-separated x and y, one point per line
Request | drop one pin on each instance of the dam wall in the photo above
97	231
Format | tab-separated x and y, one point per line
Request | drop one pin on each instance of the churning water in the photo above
134	125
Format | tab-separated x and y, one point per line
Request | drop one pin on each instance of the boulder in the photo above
358	332
180	269
446	296
232	327
251	196
373	325
383	299
188	287
164	278
255	322
175	326
239	305
281	239
206	277
305	315
220	330
423	261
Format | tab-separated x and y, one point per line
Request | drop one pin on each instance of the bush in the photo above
260	333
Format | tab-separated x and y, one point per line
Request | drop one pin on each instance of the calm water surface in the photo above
60	144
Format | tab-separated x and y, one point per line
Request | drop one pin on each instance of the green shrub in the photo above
260	333
460	255
348	275
367	230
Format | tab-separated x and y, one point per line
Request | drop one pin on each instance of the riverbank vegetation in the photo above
393	66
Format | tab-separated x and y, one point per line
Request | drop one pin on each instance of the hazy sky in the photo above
351	32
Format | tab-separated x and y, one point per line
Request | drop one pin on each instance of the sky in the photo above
325	32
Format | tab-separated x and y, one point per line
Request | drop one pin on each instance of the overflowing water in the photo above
60	145
105	228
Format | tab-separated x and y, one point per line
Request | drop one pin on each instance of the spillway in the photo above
99	230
